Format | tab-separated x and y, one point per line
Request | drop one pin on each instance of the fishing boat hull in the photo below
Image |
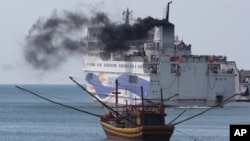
145	133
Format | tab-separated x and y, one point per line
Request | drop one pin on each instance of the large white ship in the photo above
160	63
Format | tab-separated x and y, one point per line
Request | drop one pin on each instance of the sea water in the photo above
25	117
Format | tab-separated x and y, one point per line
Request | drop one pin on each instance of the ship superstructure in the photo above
159	63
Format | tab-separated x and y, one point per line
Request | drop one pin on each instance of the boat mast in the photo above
116	96
161	97
142	103
127	16
116	93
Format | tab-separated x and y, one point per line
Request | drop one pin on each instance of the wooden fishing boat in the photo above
149	124
137	122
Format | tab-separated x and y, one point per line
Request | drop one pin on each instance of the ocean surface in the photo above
24	117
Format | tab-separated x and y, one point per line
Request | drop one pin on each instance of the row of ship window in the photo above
131	78
115	65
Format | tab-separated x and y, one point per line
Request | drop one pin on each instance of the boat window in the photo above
90	64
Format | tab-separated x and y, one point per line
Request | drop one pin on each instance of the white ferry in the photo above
161	63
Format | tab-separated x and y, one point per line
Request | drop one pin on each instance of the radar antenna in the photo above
127	16
167	14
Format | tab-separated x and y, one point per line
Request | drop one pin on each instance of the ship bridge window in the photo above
214	68
133	79
230	71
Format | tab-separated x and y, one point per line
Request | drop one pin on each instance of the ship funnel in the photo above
164	34
167	12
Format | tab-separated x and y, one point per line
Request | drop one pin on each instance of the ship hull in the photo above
142	133
101	84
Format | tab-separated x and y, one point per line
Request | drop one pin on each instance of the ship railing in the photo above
204	58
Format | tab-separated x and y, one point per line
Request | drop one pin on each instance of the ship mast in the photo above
127	16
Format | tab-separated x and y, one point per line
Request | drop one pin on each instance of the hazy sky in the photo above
213	27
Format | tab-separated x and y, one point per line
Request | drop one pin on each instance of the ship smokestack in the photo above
164	34
167	12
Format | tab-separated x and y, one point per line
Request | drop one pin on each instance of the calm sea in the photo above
24	117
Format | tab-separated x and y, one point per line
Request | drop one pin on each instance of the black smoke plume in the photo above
116	37
50	41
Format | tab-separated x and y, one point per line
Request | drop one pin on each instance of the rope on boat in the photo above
219	104
105	105
170	97
177	117
67	106
195	139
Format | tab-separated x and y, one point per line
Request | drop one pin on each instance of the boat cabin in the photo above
144	115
